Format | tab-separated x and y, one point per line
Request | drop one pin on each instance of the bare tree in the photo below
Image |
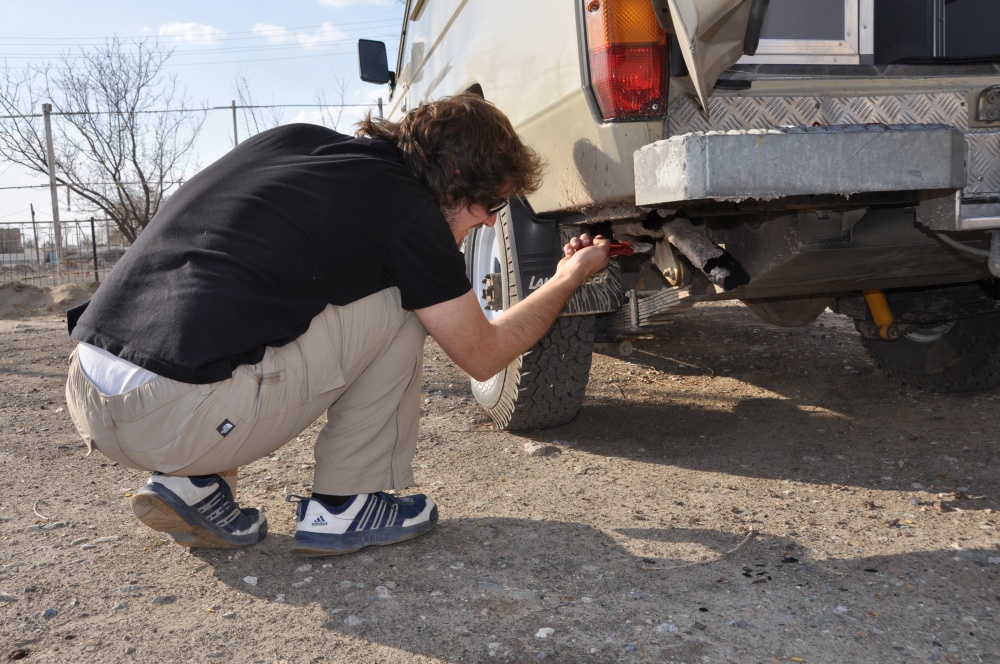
123	134
255	120
332	113
257	117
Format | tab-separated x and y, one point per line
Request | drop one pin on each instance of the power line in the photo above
227	107
253	33
242	60
347	39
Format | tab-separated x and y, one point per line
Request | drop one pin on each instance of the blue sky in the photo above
289	51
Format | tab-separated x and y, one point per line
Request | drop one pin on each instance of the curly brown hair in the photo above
463	148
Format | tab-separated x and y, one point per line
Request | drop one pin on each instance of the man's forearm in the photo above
482	348
522	325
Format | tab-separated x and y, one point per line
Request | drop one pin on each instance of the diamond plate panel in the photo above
984	161
730	113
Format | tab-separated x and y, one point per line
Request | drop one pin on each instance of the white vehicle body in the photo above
841	153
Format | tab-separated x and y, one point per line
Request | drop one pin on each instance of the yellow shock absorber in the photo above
881	314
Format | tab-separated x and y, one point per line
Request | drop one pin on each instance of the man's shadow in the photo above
522	589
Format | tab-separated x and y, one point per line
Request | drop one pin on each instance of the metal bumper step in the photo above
768	164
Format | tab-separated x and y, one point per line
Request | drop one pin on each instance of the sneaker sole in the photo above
156	513
351	542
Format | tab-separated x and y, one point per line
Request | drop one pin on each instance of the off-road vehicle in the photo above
796	155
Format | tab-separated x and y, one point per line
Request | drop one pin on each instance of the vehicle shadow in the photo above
521	589
761	401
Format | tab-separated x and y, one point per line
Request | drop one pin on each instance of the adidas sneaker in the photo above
368	519
198	512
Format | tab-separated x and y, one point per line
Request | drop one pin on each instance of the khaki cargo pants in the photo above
361	363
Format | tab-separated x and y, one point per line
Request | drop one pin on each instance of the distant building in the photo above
10	241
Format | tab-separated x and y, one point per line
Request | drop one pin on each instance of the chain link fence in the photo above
90	248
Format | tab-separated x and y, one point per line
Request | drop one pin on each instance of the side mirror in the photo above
374	64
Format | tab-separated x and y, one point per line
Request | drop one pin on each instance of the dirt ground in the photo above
732	492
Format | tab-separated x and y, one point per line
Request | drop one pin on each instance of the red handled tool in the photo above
621	249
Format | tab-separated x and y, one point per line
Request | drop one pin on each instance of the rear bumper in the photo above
771	164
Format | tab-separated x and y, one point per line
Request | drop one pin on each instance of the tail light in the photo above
628	59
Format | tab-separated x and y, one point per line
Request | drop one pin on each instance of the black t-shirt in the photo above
248	251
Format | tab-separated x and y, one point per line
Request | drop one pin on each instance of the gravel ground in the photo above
732	492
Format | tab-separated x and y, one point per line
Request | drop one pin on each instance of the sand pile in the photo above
18	300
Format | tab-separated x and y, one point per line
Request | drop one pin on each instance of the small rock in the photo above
993	560
49	614
215	654
666	628
250	580
88	547
129	590
382	592
841	609
303	568
105	540
46	526
119	606
544	633
540	449
353	621
522	595
79	540
4	597
164	599
130	650
228	615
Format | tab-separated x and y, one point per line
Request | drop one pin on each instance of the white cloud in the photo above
325	34
191	32
273	33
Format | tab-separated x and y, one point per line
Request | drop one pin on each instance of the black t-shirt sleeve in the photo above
425	263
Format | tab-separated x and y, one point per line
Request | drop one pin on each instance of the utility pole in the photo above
236	137
93	245
47	112
34	231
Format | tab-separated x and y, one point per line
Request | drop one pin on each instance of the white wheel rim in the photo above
486	259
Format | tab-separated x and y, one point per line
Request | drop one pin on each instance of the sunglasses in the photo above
494	208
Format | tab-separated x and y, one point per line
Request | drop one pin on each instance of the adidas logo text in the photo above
319	521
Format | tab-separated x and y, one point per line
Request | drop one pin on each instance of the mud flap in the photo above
536	246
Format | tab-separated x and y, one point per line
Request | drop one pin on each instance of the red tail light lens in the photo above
628	59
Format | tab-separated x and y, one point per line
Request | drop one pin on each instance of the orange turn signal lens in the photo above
628	58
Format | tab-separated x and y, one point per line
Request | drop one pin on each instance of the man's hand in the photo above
482	348
584	256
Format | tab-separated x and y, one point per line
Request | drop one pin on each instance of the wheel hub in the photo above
490	295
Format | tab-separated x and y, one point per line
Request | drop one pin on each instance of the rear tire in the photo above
962	355
543	387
